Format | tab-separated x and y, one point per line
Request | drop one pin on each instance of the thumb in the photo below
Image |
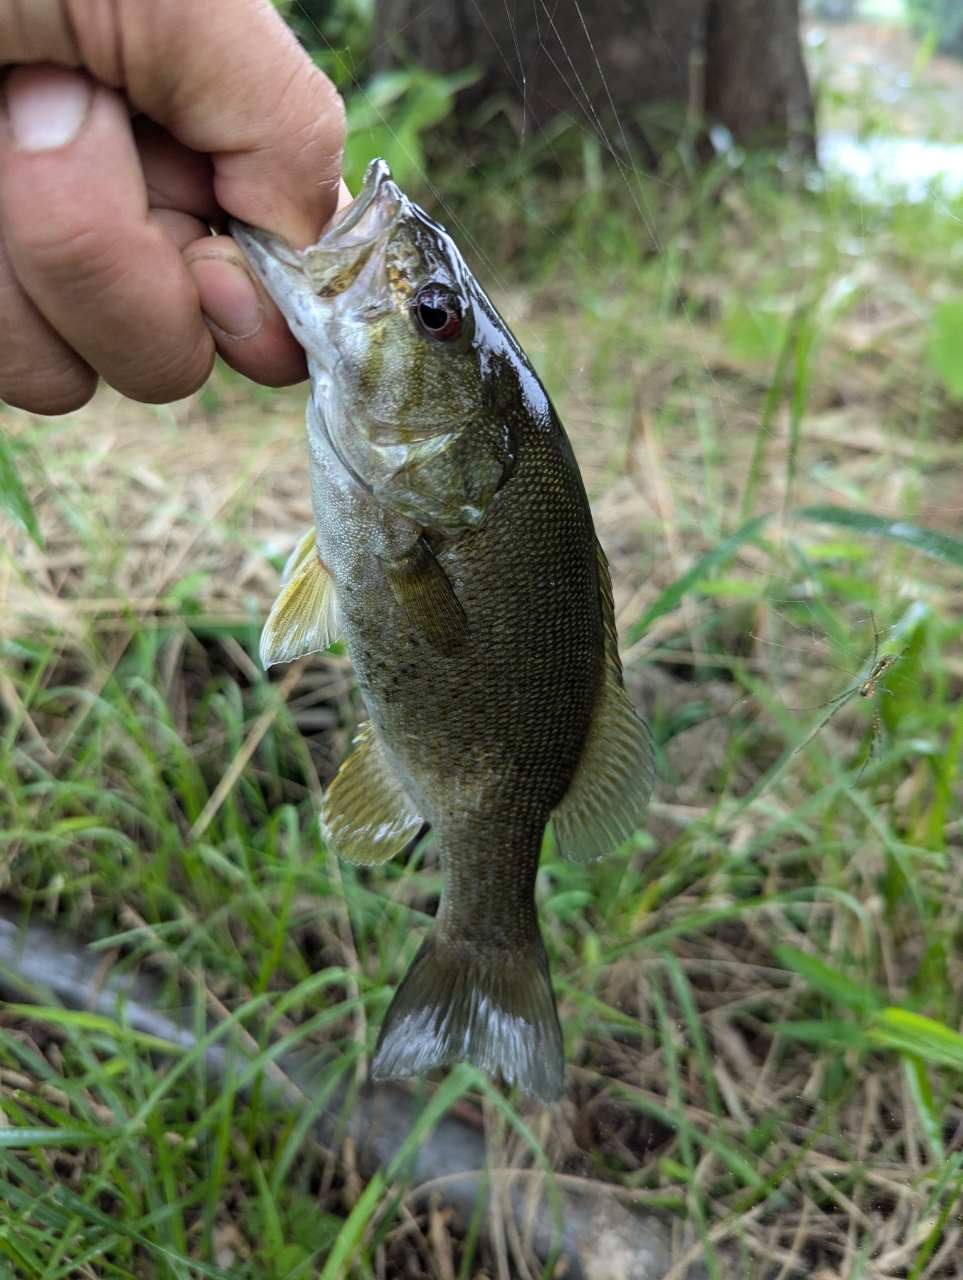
225	77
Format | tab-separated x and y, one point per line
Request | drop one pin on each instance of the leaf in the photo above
96	1024
387	116
14	499
914	1034
929	542
829	982
922	1095
712	560
945	346
754	334
48	1137
830	1033
342	1251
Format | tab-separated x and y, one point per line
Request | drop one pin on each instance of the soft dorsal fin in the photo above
304	617
367	817
422	588
609	792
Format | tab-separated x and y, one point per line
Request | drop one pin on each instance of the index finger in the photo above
225	77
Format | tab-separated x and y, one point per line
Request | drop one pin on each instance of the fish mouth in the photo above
375	209
331	266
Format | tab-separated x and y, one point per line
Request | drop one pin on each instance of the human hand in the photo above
107	263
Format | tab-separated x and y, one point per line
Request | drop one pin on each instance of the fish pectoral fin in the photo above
607	797
304	617
366	816
424	591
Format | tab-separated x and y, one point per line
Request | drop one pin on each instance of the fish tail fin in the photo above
496	1012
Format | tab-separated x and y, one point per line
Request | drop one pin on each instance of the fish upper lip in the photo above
290	273
372	203
379	202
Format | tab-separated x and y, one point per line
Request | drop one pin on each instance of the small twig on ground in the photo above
802	1230
440	1239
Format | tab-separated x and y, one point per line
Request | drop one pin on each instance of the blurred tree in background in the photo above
737	63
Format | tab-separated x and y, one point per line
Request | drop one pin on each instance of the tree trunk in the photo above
736	62
756	82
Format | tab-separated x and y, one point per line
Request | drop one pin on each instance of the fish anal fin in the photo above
303	618
607	797
424	591
367	817
496	1012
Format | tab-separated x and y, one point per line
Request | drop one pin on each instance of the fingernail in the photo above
46	106
228	297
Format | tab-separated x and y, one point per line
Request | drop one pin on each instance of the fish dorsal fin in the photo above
608	794
304	617
367	817
424	591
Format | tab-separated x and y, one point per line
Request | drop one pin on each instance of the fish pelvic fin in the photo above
496	1012
367	816
304	617
609	792
424	591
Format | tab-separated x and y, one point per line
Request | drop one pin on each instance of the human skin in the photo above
129	129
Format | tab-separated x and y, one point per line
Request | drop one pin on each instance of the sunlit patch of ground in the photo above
871	76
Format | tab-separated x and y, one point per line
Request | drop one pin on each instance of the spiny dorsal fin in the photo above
366	815
422	588
304	617
607	797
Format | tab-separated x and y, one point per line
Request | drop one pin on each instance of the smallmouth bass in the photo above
454	549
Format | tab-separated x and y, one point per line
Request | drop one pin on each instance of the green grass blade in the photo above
19	1138
930	542
921	1092
917	1035
671	1058
339	1258
764	430
14	499
829	982
708	563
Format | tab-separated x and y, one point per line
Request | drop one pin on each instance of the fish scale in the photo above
454	548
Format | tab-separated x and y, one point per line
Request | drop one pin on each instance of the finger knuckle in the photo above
89	258
163	375
48	389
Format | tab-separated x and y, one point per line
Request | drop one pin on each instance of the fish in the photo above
454	551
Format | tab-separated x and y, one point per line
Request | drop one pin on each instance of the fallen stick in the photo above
604	1235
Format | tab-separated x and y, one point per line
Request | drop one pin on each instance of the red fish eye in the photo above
439	313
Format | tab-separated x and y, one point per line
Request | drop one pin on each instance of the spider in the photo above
868	688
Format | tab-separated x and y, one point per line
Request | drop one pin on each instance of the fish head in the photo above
400	341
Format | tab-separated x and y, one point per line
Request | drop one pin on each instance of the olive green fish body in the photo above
454	534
